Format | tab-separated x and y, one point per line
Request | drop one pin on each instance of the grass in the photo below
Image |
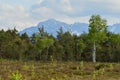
58	70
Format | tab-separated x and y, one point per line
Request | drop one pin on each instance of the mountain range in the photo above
51	26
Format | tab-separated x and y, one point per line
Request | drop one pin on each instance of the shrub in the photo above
16	76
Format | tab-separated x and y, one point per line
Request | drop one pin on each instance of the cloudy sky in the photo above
24	13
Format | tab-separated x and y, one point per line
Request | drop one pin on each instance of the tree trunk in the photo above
94	53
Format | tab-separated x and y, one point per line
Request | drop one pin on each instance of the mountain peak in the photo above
52	26
51	20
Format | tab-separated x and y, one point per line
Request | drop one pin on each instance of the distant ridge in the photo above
52	26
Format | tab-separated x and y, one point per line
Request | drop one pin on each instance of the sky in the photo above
25	13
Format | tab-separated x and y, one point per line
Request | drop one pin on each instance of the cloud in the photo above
42	12
76	8
14	15
73	10
69	11
58	6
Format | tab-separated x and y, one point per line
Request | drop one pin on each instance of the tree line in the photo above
97	45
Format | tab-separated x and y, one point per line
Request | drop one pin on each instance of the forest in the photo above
97	45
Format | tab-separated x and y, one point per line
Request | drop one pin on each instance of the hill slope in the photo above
52	26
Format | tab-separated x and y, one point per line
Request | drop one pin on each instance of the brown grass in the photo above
58	70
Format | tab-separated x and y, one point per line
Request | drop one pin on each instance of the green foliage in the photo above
45	42
111	66
97	27
26	67
99	66
82	65
33	71
16	76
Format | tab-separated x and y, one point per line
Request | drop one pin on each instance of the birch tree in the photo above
97	32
